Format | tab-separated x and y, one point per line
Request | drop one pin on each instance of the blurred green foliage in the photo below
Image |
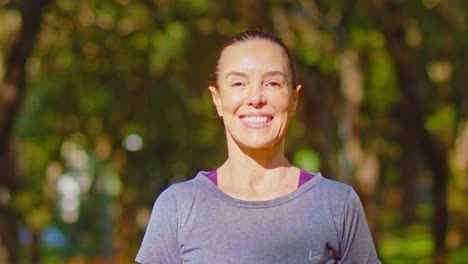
104	70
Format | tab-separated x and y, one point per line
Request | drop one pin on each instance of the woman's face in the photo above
255	97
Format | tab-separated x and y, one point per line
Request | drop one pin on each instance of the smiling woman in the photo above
254	96
257	207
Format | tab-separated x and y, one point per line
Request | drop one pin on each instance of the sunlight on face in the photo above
255	97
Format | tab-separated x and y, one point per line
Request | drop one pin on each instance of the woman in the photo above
257	207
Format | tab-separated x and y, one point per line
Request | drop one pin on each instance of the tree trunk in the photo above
11	92
9	215
320	117
408	172
435	158
409	76
35	247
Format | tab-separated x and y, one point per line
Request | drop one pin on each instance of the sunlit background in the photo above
103	104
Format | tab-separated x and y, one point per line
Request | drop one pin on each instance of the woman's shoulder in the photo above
334	185
335	190
187	187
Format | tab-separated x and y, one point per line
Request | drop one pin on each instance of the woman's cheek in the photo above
233	100
282	102
237	97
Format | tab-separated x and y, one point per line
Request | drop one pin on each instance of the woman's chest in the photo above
269	235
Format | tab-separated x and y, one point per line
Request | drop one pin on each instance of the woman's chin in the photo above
258	144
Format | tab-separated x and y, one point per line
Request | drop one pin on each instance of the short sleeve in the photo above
160	243
356	244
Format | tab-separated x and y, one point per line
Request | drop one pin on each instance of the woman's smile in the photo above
256	120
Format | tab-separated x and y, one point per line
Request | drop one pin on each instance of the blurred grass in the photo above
407	249
414	244
459	255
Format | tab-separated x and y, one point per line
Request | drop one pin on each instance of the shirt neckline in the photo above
304	177
202	178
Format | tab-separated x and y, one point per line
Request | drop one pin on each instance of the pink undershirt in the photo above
304	177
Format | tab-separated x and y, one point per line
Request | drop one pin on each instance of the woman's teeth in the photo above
256	119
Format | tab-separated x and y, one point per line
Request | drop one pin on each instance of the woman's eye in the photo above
273	84
237	84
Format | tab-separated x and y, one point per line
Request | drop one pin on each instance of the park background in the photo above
104	103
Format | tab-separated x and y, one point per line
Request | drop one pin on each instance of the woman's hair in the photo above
252	35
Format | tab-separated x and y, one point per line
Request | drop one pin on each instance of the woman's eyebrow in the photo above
267	74
273	73
236	73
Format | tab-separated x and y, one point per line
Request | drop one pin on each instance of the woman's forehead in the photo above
253	54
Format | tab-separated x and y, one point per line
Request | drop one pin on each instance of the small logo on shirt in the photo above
315	257
329	253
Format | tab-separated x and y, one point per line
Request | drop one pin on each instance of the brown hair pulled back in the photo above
252	35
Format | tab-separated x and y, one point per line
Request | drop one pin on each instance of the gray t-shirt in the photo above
194	222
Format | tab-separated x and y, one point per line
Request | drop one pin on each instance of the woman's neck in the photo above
259	174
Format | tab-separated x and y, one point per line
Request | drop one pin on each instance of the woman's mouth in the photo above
256	121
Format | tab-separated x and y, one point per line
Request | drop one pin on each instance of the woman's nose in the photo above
257	97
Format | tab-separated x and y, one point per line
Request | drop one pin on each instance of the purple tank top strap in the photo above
304	177
213	176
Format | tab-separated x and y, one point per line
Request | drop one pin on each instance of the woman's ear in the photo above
295	99
215	96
